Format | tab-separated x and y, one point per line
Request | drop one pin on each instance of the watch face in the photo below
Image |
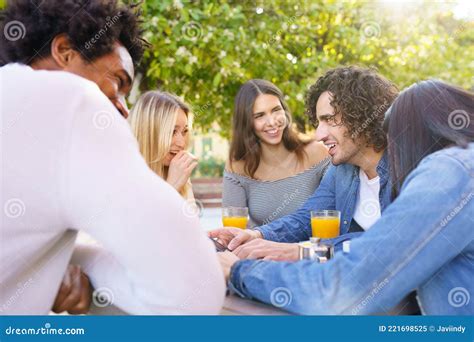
305	244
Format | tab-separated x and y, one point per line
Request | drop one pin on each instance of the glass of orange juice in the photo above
235	217
325	223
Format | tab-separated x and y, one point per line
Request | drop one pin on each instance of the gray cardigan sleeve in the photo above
233	191
234	194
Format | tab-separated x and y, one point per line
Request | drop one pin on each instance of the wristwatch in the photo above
314	250
306	251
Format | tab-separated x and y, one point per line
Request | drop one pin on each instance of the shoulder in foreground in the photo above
62	81
235	167
62	78
316	152
453	155
444	170
61	85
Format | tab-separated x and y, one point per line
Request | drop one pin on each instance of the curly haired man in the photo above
405	250
347	106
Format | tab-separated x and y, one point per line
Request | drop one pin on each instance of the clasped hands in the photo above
249	244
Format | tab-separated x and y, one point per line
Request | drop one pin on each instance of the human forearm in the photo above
290	228
398	254
165	271
169	265
296	227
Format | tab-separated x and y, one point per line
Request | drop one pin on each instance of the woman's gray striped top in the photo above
270	200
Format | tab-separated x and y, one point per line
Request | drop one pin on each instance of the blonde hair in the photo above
152	120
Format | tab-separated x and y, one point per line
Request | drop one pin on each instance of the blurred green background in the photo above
204	50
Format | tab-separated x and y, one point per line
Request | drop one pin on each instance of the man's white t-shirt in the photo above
367	209
70	163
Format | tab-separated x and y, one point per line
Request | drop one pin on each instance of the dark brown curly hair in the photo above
361	96
29	26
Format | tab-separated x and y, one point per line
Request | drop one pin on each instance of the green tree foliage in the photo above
204	50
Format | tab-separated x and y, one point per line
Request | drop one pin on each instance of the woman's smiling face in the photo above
269	119
180	137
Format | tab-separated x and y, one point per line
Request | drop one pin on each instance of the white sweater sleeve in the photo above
102	268
169	265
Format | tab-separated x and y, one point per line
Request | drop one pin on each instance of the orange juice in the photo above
325	228
235	221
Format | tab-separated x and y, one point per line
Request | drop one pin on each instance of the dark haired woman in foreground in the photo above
424	239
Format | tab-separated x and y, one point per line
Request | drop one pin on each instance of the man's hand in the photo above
234	237
227	260
268	250
75	293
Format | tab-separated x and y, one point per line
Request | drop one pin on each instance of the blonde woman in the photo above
160	121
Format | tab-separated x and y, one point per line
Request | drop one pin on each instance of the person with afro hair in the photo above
98	40
70	163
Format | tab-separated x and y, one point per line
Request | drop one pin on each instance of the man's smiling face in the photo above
113	73
333	133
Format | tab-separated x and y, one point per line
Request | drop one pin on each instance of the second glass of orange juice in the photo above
235	217
325	223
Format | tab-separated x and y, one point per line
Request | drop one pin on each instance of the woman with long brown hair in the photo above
271	169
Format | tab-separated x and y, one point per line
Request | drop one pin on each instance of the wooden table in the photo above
234	305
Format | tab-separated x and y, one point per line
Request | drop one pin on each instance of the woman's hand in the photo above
232	237
180	169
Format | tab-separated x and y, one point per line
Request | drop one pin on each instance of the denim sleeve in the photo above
426	227
296	227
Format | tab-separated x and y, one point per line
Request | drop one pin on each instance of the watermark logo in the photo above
103	297
459	119
370	29
193	208
14	30
192	30
46	330
200	110
370	207
458	297
290	23
103	119
109	22
376	115
281	297
287	200
376	288
7	125
14	208
457	209
21	288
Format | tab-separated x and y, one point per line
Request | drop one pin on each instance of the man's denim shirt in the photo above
424	241
338	191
